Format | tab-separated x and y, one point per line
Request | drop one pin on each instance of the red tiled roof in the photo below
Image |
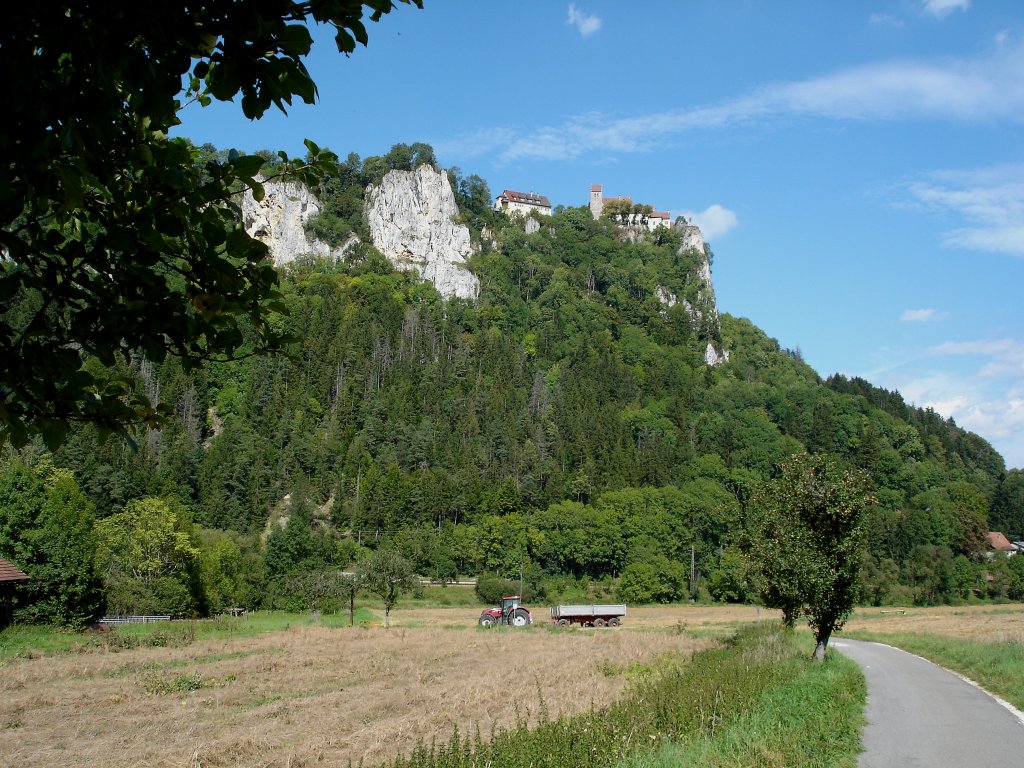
596	188
999	542
9	573
528	198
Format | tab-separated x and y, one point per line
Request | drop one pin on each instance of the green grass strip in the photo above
998	667
813	719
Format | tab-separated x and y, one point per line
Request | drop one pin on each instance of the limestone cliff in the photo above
279	220
411	216
703	311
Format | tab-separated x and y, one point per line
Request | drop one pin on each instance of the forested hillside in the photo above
564	429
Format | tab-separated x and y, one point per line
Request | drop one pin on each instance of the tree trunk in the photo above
352	609
387	616
822	645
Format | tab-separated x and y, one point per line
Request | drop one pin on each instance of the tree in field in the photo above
46	529
148	554
387	574
119	242
806	541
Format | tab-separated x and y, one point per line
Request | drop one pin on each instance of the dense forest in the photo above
563	431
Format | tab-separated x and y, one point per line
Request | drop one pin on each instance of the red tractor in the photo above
511	612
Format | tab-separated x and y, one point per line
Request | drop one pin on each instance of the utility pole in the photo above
693	572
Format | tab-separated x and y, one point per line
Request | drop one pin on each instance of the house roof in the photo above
9	572
596	188
528	198
999	542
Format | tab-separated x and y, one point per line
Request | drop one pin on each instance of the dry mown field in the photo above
319	696
984	623
309	696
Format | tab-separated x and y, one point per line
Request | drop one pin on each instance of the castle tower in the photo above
596	200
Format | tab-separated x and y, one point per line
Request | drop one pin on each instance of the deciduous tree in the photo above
119	241
807	547
387	574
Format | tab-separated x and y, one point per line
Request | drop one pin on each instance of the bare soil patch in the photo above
309	696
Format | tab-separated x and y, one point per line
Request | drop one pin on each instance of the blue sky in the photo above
858	167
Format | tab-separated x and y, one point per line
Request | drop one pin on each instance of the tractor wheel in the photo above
614	621
486	620
564	622
520	618
600	622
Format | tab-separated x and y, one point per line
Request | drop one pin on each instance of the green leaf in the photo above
247	166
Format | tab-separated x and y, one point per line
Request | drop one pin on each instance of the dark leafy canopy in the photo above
119	240
808	541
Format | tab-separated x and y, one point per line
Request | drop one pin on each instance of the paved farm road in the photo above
923	715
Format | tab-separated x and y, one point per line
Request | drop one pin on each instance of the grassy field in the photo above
243	693
277	689
984	642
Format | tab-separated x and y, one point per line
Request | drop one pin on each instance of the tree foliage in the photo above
46	528
387	574
119	241
807	539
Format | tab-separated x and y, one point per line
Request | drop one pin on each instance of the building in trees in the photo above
624	211
10	577
522	202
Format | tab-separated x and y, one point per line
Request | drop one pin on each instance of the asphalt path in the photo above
920	714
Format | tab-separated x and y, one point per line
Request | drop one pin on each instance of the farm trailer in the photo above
588	615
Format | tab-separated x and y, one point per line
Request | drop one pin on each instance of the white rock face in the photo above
279	220
411	216
703	313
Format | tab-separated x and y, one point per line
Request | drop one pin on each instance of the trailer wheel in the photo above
600	622
614	621
520	618
563	622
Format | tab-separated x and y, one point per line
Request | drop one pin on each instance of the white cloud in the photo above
921	315
940	9
714	221
990	201
973	89
586	24
885	20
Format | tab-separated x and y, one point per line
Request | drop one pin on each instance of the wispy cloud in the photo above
714	221
989	202
975	89
885	20
585	23
940	9
921	315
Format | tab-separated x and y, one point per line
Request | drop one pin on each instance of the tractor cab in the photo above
510	603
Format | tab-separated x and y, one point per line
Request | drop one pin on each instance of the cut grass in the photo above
998	666
759	701
26	641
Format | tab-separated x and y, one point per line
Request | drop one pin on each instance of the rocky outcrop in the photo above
411	216
703	311
279	220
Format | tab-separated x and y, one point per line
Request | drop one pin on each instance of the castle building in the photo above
522	202
652	220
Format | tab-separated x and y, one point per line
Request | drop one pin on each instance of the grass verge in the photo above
758	701
29	641
998	667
